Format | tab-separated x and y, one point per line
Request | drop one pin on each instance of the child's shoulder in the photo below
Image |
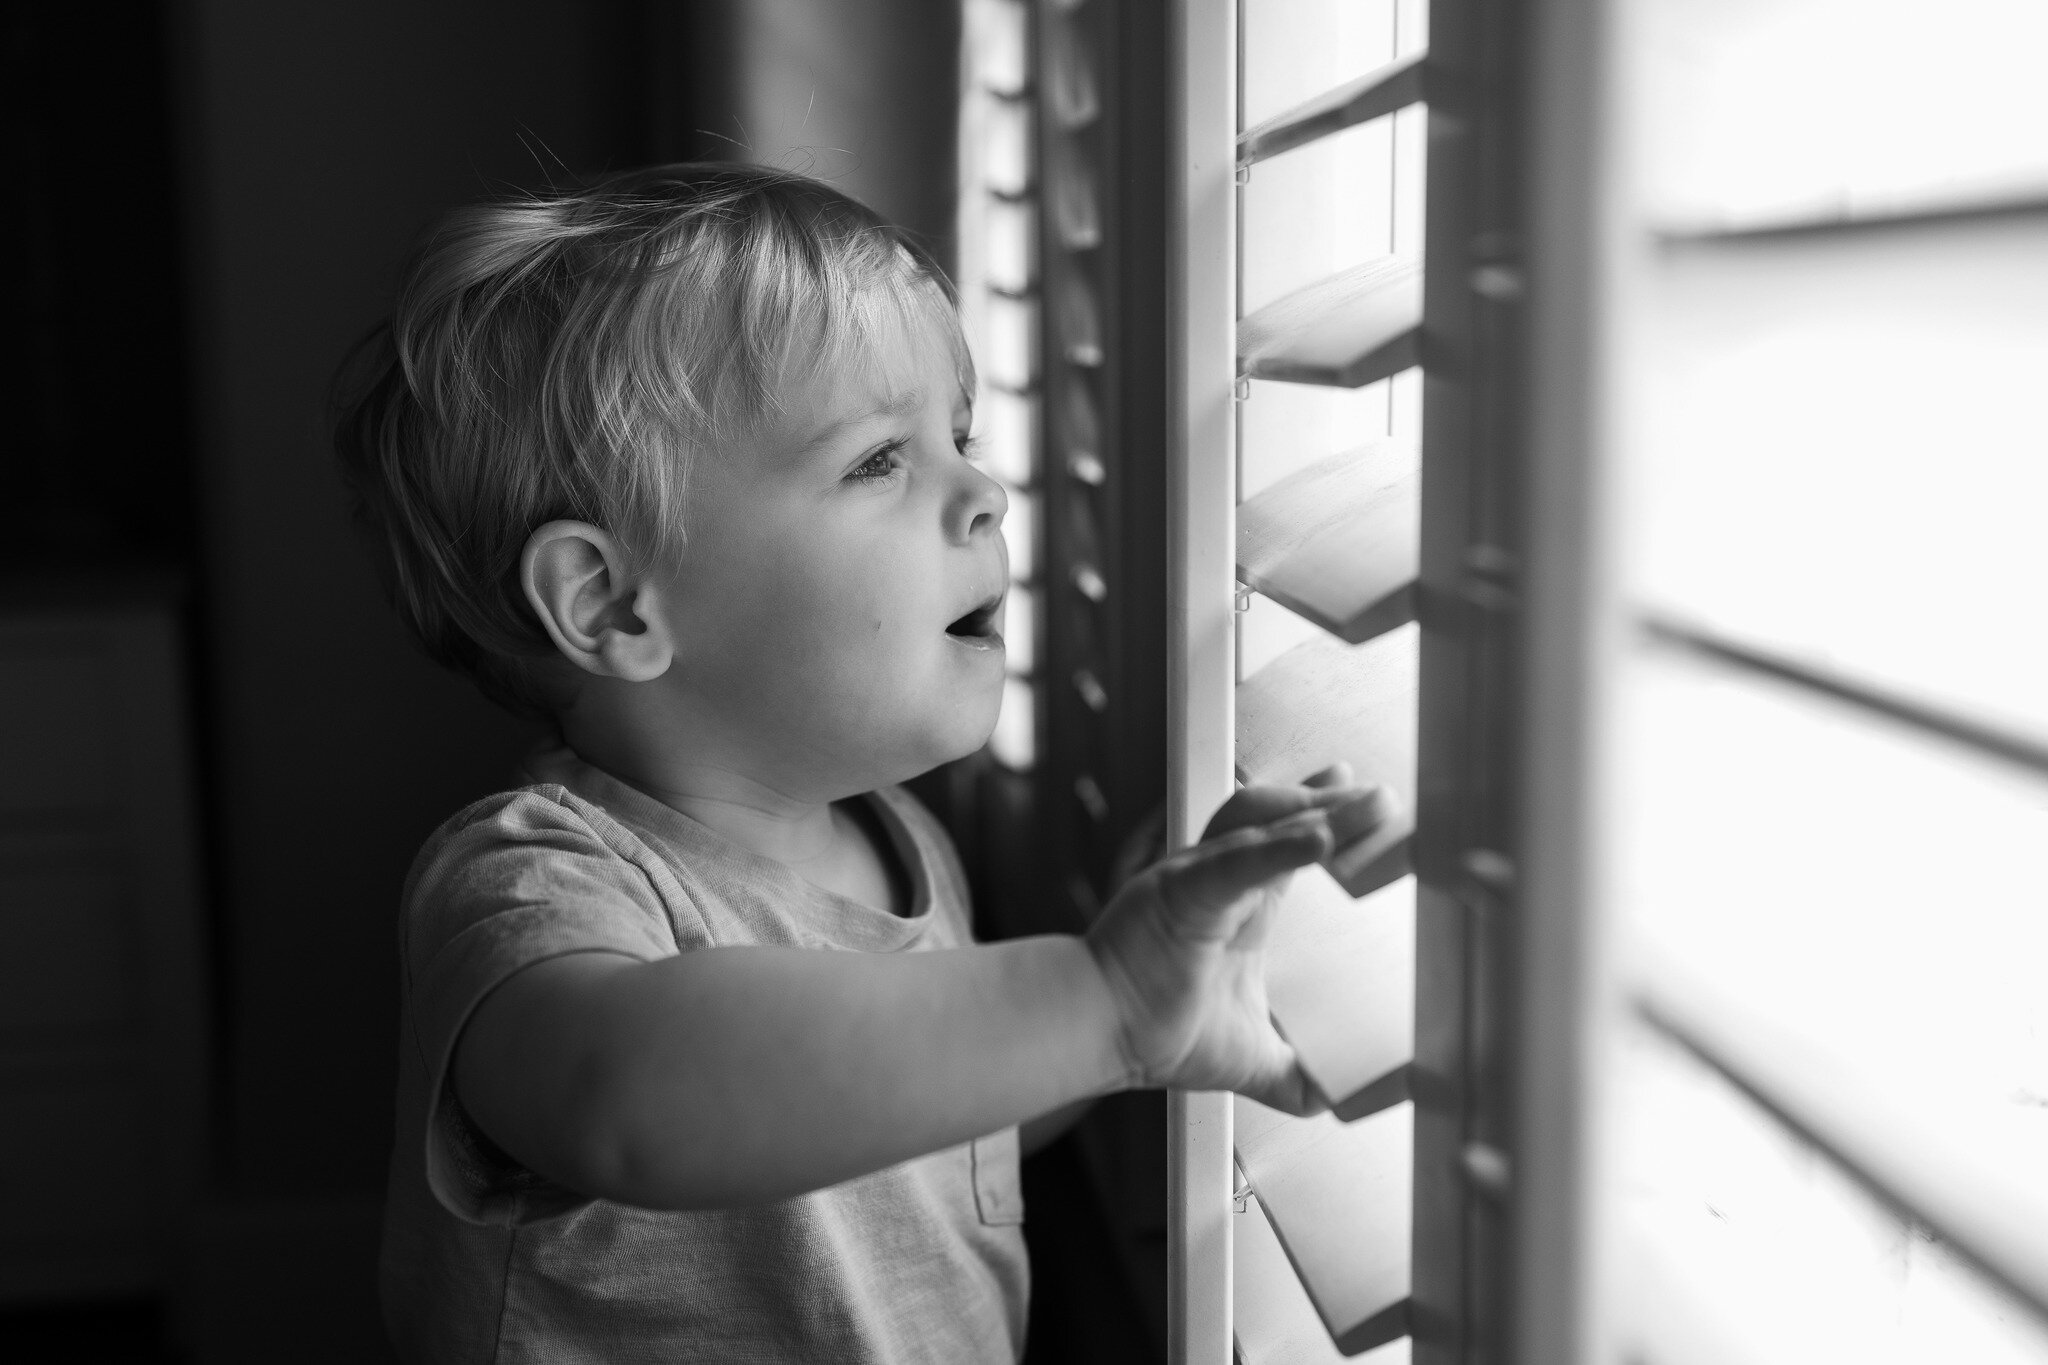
518	841
561	809
527	867
540	820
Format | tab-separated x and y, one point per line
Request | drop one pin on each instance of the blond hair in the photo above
568	355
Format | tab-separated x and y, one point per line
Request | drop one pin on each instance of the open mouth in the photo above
979	624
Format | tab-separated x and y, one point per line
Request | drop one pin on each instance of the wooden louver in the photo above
1340	1199
1338	542
1323	701
1356	327
1373	95
1340	979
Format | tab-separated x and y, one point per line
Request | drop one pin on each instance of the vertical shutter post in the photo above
1201	582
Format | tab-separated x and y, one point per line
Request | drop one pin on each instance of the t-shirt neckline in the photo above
559	763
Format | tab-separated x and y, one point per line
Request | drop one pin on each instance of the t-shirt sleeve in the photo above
514	880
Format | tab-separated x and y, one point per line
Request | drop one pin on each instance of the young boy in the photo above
699	1061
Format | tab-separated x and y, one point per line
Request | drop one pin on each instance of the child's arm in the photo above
733	1076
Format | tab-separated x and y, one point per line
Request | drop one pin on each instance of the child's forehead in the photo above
895	370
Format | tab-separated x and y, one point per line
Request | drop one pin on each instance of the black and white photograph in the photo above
1024	682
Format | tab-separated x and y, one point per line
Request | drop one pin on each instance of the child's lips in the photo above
979	628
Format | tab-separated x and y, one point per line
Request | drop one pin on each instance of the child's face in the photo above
837	612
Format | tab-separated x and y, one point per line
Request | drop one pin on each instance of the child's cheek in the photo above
846	595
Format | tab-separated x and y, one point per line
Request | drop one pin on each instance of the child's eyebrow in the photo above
895	405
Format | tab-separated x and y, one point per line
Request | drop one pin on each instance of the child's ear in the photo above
594	608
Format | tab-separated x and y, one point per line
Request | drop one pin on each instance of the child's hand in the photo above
1182	946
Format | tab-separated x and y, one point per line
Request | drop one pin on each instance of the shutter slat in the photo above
1849	223
1079	319
1340	979
1909	1158
1071	192
1276	1324
1740	130
1889	397
1339	1199
1374	95
1339	542
1346	331
1323	701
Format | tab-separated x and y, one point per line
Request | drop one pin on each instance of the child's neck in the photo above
750	813
827	843
836	846
796	833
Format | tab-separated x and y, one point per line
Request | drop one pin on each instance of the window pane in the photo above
1266	630
1411	177
1015	741
1008	433
1002	50
1012	358
1011	244
1841	450
1297	49
1286	427
1761	111
1020	630
1404	405
1006	146
1318	210
1020	530
1411	26
1880	895
1736	1242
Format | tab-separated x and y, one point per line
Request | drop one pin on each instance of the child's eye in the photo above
969	446
879	465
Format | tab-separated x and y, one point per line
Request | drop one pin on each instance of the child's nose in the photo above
978	506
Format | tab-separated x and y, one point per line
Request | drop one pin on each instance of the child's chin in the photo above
967	738
971	742
930	759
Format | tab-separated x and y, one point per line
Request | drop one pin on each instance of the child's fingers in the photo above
1359	813
1201	886
1338	774
1361	844
1290	1091
1250	807
1263	805
1355	819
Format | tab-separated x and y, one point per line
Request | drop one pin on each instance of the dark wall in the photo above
95	458
319	138
858	92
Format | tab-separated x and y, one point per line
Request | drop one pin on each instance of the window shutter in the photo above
1377	566
1790	314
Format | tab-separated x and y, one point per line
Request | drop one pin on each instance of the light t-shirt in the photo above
484	1260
